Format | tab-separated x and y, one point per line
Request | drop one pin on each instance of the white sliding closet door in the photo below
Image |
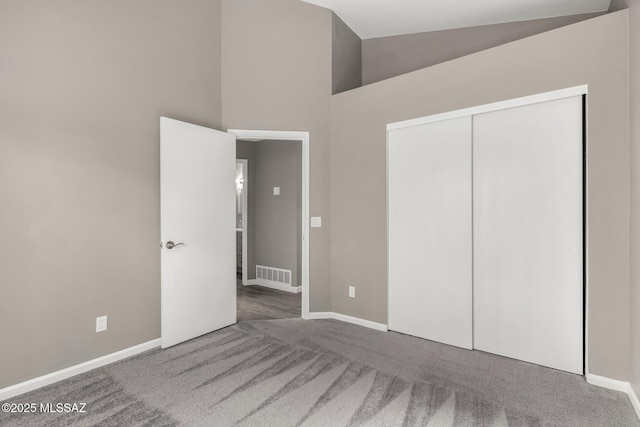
527	247
429	184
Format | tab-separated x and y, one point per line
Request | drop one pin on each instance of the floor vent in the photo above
273	275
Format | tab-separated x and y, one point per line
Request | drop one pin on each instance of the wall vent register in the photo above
273	275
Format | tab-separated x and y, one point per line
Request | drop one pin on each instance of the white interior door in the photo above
528	285
429	184
198	214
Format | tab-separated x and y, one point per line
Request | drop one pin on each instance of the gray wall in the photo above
247	150
634	36
634	17
387	57
346	64
593	52
277	219
287	86
83	87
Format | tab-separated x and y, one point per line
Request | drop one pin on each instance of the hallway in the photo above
260	303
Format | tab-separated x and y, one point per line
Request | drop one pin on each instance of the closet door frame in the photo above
506	104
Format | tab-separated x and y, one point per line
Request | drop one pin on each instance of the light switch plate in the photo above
276	191
316	222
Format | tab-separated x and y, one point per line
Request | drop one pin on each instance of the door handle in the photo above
171	245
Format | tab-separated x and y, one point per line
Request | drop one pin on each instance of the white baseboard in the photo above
27	386
320	315
274	285
609	383
634	400
617	385
349	319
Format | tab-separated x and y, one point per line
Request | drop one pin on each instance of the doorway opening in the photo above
242	172
272	205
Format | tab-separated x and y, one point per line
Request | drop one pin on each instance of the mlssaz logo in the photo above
66	408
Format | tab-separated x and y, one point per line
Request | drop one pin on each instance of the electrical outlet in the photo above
101	323
352	291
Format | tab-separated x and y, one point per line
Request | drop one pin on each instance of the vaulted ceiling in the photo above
381	18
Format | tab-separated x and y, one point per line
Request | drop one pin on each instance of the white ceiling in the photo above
381	18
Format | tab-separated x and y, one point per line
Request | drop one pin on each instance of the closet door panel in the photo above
429	196
527	245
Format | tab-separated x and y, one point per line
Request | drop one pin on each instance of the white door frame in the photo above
260	135
245	218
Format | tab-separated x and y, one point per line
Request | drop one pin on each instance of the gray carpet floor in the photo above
324	373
